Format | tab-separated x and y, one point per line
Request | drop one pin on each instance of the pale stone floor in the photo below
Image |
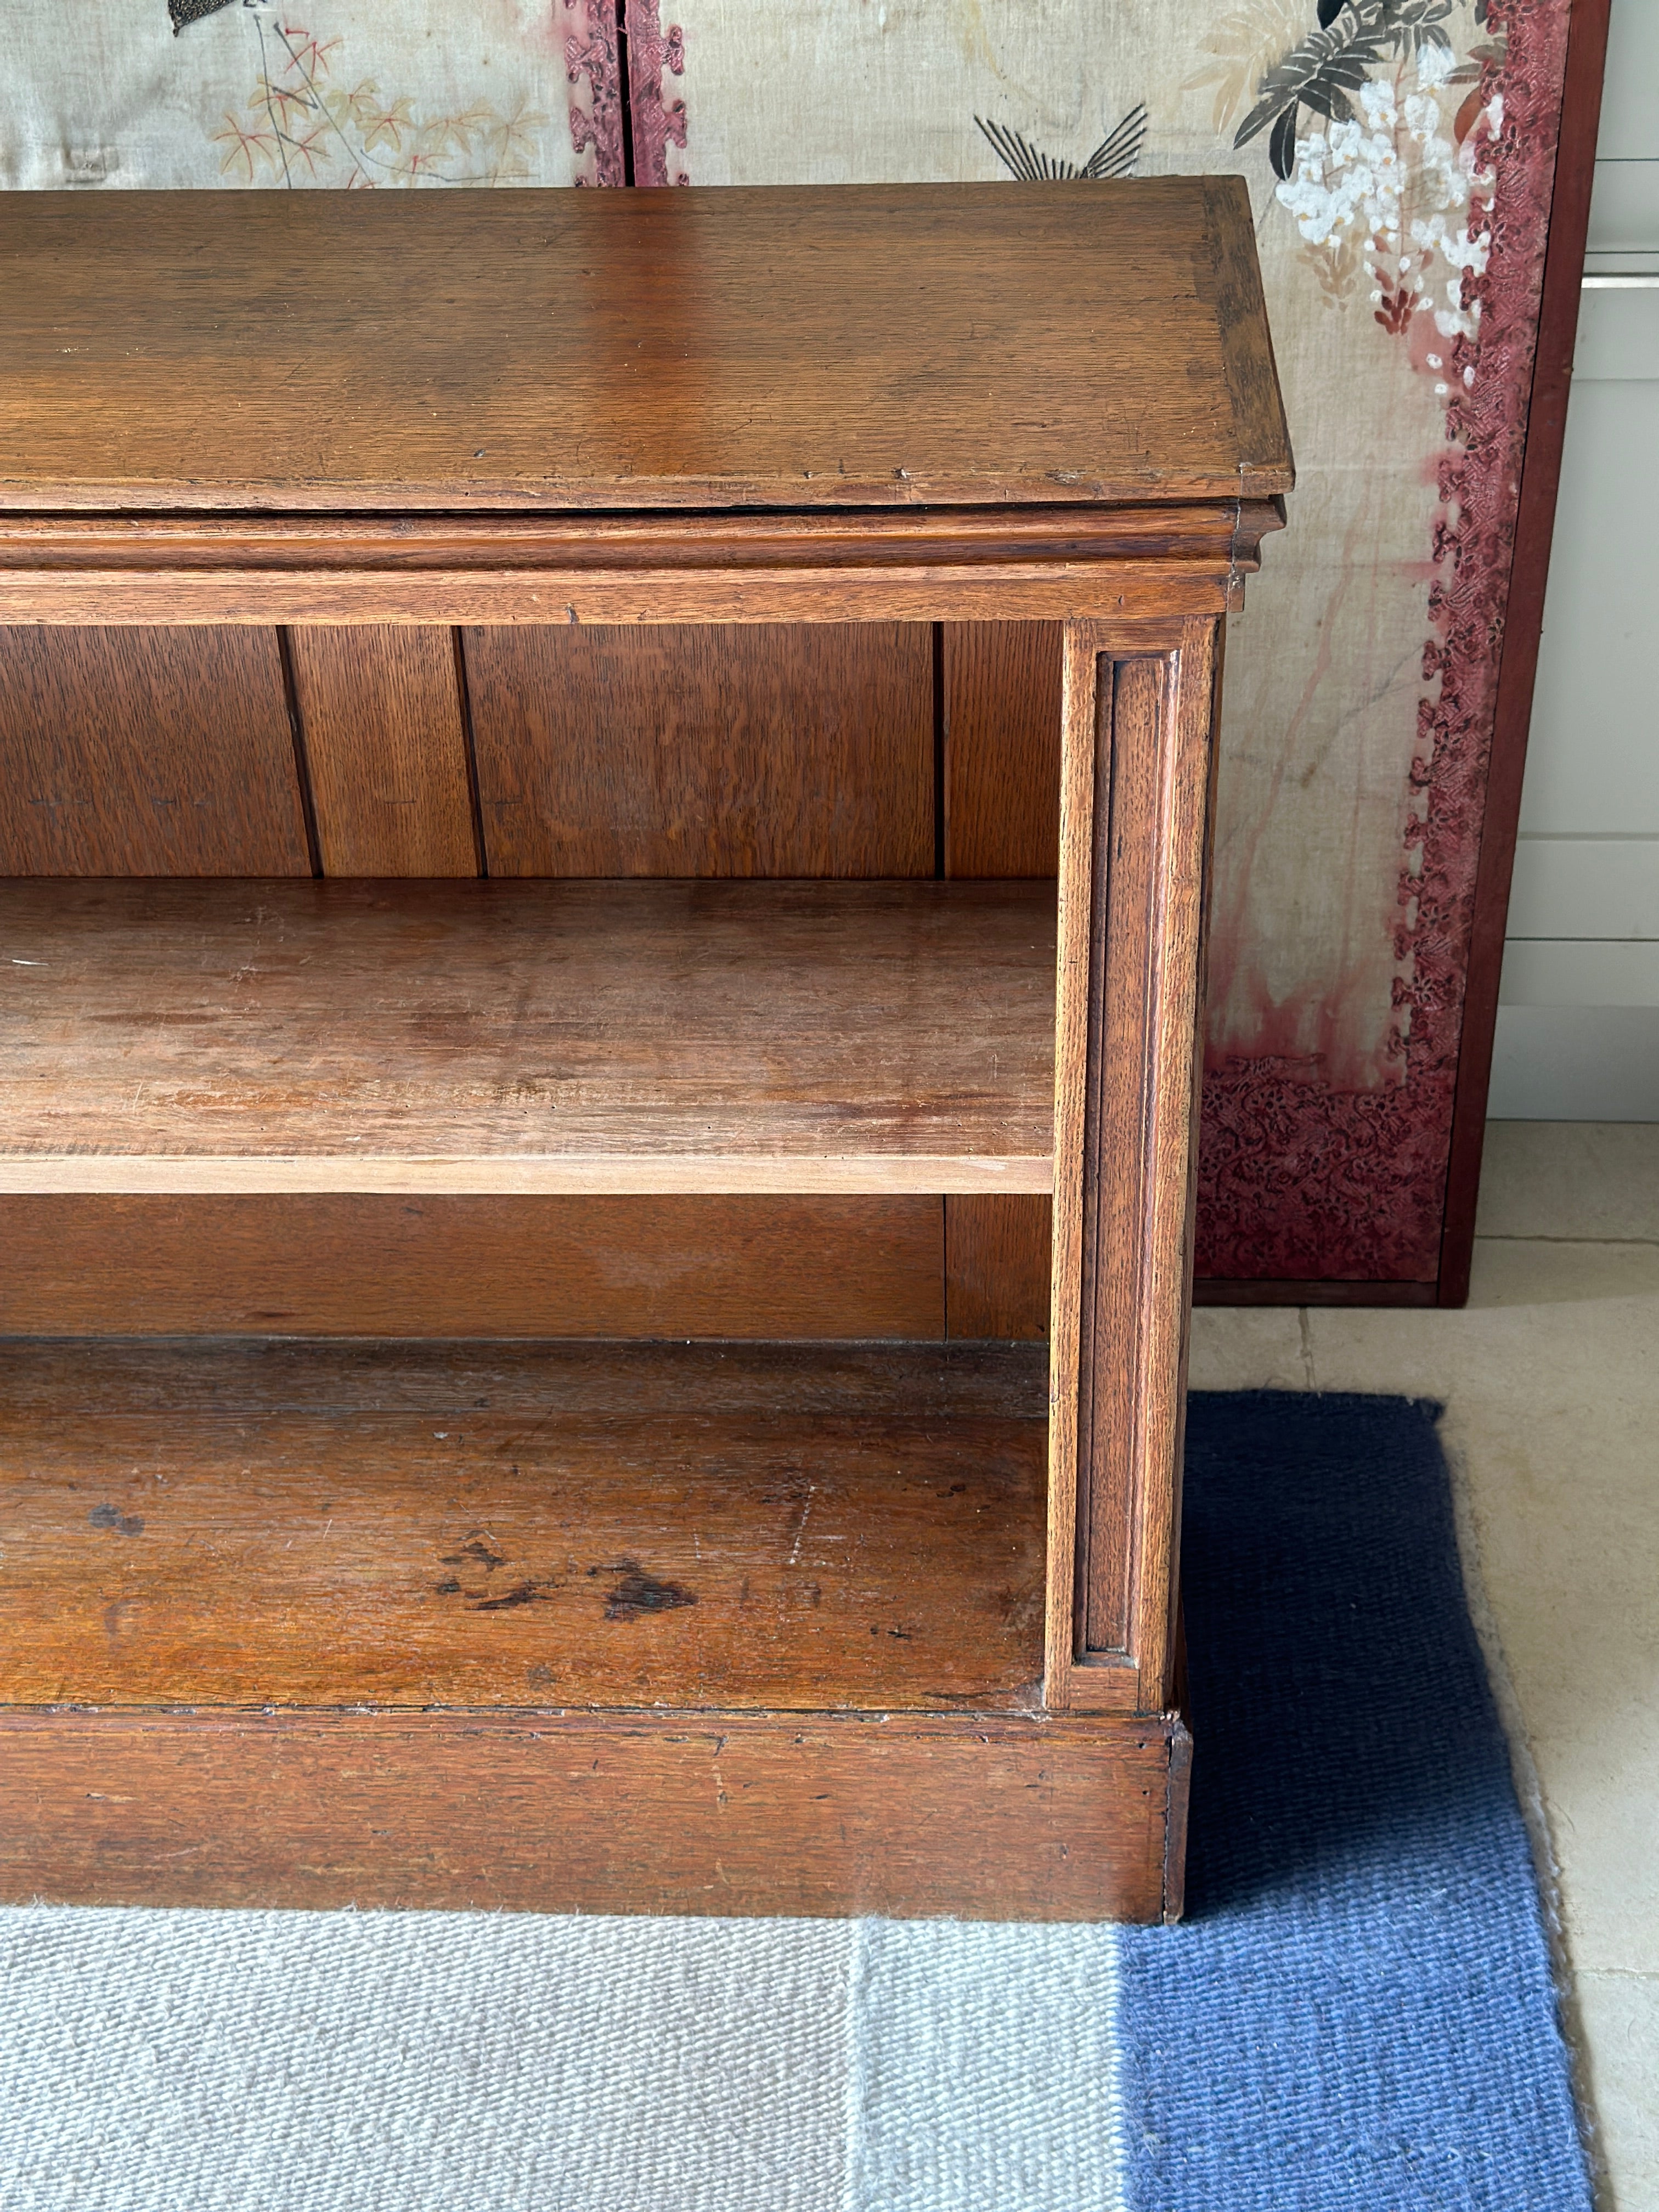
1550	1379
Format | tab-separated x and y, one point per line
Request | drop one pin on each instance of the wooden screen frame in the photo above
1523	629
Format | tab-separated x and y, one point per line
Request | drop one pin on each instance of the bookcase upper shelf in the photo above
531	1037
779	348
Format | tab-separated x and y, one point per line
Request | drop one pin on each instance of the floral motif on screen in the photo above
1387	186
313	118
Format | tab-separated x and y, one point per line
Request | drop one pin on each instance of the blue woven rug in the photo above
1357	2015
1360	2010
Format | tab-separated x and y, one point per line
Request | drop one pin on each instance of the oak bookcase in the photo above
752	1585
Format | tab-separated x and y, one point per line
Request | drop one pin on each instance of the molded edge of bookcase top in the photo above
171	1035
940	564
791	348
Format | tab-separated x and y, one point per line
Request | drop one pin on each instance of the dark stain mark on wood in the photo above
637	1592
520	1594
110	1517
476	1552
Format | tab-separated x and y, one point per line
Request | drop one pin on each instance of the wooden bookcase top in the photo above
781	349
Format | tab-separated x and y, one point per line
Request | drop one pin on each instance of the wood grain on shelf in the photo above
984	1817
705	751
559	1038
337	1266
538	1804
147	752
743	1558
270	1375
386	749
694	348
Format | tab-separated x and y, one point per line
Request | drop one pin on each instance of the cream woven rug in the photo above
266	2061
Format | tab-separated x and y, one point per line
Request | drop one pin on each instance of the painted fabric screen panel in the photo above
225	93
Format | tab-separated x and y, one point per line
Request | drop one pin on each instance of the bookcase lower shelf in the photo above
597	1627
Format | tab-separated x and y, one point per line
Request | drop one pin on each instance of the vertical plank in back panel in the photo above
1002	682
340	1265
997	1261
786	749
1001	748
996	1267
147	752
385	746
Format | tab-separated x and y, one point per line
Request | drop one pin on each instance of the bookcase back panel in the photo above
479	1267
645	751
705	750
1001	683
147	752
380	707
